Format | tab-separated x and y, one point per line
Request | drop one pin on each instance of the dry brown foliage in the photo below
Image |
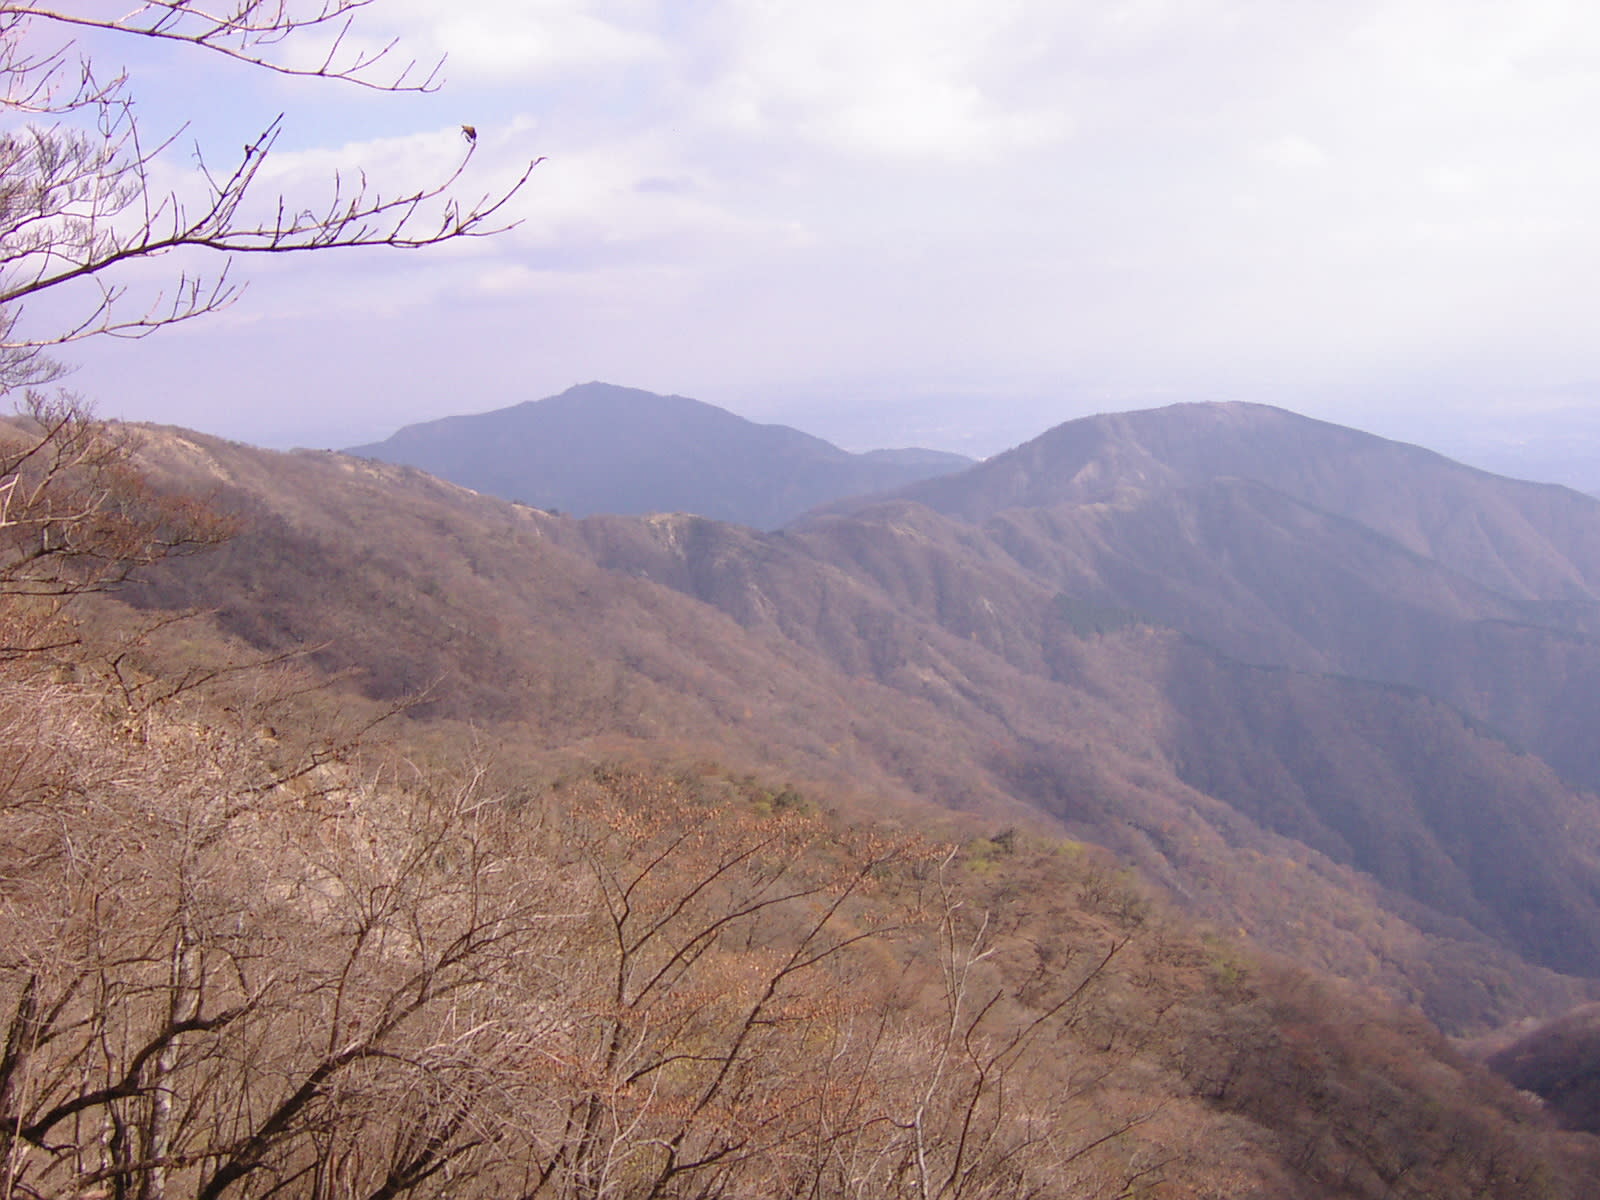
77	516
238	958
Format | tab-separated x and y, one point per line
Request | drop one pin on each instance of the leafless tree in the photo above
79	196
211	987
710	1043
80	204
76	515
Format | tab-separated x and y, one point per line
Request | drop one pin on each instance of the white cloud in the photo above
537	38
1293	153
883	77
503	41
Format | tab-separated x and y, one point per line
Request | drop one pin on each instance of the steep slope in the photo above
1139	738
1094	1041
597	448
1559	1061
1320	548
905	657
236	930
1535	543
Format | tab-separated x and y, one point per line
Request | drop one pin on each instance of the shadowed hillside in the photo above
1307	545
1559	1061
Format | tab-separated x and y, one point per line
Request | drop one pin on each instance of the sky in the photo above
951	223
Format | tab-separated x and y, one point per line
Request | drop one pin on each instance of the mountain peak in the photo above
598	447
1099	458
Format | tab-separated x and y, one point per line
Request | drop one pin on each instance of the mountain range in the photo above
599	448
1134	813
1330	689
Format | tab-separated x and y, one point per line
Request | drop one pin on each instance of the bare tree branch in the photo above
78	199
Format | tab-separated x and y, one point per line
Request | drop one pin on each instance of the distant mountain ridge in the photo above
1523	539
599	448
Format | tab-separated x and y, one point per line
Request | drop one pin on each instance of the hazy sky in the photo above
946	222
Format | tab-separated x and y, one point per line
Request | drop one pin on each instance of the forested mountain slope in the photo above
1286	541
1085	667
1534	542
641	896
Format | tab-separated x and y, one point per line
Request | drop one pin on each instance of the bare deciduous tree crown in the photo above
78	194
